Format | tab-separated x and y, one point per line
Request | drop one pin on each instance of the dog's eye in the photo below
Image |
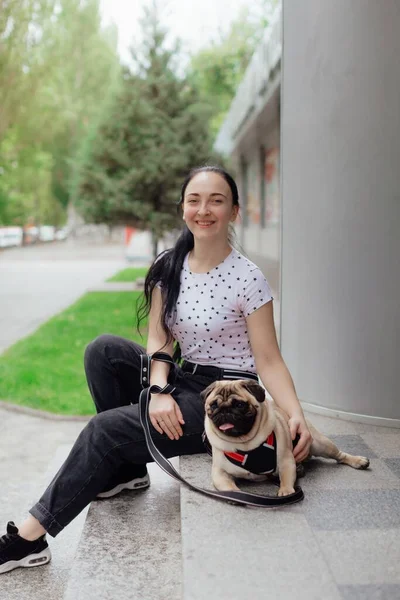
214	405
239	404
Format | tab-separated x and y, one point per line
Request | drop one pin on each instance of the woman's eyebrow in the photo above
213	194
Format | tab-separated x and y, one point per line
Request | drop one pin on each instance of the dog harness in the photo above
261	460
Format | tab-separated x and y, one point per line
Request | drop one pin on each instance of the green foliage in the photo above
218	70
156	130
57	68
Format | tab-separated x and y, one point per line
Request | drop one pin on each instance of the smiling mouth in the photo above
204	223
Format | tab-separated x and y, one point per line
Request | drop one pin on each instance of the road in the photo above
38	282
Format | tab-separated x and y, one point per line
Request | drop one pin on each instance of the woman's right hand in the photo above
166	416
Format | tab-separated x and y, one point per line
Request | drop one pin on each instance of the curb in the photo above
42	414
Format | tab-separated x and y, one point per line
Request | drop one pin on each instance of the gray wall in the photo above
340	146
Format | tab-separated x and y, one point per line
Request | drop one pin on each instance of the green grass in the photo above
45	370
129	274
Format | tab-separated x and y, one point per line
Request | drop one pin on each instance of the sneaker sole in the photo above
32	560
135	484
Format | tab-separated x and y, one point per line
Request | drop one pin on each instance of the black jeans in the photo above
113	440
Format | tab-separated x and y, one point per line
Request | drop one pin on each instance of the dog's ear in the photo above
254	388
205	393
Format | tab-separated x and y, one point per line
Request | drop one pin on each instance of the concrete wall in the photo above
341	203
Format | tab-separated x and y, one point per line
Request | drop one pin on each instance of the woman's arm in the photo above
279	383
165	414
156	340
275	375
269	362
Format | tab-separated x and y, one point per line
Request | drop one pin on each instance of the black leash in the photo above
236	497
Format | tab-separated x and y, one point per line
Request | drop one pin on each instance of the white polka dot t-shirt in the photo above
210	317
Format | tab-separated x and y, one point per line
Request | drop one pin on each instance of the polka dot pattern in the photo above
210	317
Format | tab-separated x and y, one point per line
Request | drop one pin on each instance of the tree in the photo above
57	68
25	189
77	87
152	135
218	69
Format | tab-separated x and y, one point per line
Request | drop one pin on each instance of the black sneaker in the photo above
118	483
17	552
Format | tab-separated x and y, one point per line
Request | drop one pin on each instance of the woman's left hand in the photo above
298	425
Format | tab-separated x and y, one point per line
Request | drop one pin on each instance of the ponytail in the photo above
166	272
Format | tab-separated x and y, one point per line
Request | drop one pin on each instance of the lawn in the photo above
45	370
129	274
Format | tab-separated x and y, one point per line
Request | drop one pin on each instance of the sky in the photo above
196	22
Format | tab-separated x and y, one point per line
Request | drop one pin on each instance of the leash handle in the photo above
239	497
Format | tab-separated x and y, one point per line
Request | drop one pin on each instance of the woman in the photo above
218	306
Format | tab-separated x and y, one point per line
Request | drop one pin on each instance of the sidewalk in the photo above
38	282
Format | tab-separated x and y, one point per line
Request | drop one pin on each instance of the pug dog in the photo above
250	437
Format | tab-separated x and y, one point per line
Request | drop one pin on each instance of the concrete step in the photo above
131	545
48	582
241	552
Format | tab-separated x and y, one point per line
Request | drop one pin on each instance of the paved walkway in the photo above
40	281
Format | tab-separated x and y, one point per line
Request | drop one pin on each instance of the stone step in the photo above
47	582
240	552
131	545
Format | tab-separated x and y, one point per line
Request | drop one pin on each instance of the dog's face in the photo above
233	406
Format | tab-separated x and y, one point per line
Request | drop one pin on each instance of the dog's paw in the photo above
285	491
361	462
357	462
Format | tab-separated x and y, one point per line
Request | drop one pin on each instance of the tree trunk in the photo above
154	238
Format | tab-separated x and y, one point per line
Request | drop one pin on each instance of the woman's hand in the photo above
298	425
165	415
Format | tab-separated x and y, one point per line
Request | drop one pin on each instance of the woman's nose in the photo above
203	209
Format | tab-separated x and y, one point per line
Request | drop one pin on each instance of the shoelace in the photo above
12	533
7	538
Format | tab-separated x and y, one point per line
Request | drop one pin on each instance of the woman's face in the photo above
207	206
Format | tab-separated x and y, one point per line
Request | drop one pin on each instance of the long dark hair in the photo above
166	268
